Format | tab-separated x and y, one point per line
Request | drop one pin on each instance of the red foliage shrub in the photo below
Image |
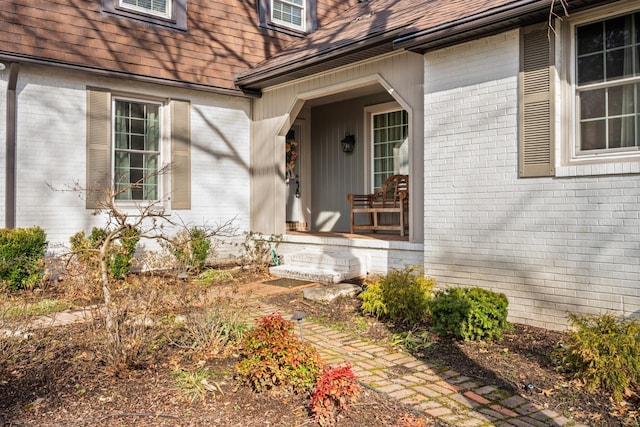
274	357
336	389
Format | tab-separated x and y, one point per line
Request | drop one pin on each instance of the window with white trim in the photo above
136	149
154	7
390	132
166	13
607	86
290	13
129	139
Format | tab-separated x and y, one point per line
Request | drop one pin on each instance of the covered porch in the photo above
302	173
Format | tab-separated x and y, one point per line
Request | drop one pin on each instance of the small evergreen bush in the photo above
22	253
469	313
372	301
604	351
274	357
200	247
335	391
120	257
191	248
401	296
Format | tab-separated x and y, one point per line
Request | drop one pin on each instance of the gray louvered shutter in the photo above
180	155
98	147
536	132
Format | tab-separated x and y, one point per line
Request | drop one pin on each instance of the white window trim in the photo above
168	14
302	26
176	20
569	161
162	202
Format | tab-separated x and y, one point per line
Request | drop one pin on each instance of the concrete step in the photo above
323	260
323	267
310	274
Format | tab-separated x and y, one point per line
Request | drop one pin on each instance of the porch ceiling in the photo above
343	96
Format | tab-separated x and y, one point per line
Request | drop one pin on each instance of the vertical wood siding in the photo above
336	174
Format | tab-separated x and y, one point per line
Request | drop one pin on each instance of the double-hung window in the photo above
390	145
607	85
290	13
136	150
160	8
166	13
293	17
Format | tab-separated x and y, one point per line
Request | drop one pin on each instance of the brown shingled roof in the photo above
222	39
457	20
380	26
364	25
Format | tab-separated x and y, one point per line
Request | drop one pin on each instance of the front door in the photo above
295	215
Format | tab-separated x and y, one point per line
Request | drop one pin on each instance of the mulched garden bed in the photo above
521	363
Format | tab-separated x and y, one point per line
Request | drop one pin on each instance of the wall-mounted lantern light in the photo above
348	143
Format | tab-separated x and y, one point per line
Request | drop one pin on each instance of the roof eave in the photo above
318	62
503	18
34	60
509	16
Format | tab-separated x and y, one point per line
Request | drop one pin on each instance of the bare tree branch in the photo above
553	15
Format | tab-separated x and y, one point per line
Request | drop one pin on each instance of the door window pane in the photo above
390	145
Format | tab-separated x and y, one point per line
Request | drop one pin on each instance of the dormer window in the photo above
160	8
294	17
165	13
290	13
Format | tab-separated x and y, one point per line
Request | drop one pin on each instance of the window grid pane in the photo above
288	12
154	7
608	52
136	150
390	146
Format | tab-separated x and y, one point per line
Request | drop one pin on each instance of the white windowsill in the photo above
614	168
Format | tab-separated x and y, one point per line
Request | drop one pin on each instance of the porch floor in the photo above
364	236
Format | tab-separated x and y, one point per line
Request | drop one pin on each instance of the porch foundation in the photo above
333	257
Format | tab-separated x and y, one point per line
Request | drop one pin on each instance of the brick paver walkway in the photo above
441	393
435	391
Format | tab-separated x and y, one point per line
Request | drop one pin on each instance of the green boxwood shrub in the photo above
191	248
22	252
604	351
469	313
402	295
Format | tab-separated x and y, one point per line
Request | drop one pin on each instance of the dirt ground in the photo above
58	378
63	376
66	385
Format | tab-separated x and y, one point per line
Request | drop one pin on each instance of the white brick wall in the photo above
51	153
4	76
553	245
